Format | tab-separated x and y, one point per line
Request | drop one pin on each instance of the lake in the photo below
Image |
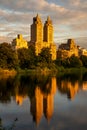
43	102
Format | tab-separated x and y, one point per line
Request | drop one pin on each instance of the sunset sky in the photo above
69	18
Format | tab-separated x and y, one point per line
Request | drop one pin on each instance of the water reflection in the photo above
41	91
70	84
69	88
42	102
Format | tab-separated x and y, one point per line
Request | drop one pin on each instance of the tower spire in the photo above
37	15
48	18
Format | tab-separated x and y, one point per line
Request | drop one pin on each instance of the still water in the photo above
43	102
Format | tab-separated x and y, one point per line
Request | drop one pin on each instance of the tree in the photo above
8	57
66	62
58	62
44	58
75	61
26	57
45	55
83	58
23	57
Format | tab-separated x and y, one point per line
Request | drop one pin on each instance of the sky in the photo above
69	19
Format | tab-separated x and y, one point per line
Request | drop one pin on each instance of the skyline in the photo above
69	19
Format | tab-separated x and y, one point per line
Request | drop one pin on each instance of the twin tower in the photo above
42	36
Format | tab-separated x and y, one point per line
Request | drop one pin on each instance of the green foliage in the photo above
8	58
23	57
58	62
26	57
75	61
84	60
45	56
66	63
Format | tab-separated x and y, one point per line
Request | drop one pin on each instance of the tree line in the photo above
26	59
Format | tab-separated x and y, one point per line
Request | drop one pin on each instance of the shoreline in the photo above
42	71
8	72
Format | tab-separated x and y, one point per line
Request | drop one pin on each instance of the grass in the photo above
8	72
43	71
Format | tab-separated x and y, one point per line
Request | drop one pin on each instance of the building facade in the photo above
42	36
19	42
68	49
82	51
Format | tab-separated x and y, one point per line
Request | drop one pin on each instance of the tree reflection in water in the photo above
40	89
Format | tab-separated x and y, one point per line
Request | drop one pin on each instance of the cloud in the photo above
68	16
82	41
79	26
5	39
23	5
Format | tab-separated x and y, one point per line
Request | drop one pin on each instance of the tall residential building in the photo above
48	31
42	36
37	30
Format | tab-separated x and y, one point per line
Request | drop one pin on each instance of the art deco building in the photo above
19	42
68	49
42	36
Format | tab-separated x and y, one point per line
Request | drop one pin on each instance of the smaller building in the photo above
82	51
19	42
68	49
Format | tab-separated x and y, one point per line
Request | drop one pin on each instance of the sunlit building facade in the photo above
19	42
82	51
68	49
42	36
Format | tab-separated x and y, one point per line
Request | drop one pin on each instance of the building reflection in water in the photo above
69	88
84	85
19	97
43	103
40	91
37	105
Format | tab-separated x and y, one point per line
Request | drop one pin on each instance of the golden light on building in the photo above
42	36
68	49
19	42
